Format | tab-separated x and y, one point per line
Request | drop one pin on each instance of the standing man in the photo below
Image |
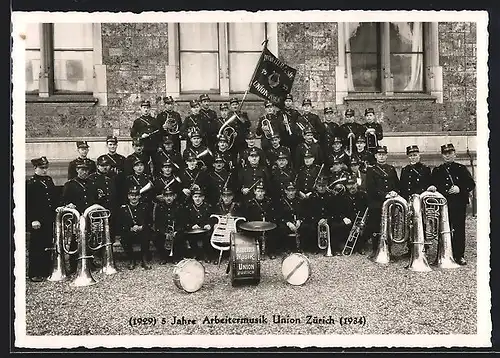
371	123
329	131
291	216
148	129
252	174
455	182
40	215
350	131
210	117
415	177
308	145
381	179
308	118
171	122
356	204
83	151
242	125
117	161
167	151
271	127
275	150
194	121
288	117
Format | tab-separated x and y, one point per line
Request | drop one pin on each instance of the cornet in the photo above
324	238
267	128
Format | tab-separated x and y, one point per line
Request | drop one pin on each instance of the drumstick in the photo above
254	184
295	269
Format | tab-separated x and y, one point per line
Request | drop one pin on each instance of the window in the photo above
389	58
64	58
217	58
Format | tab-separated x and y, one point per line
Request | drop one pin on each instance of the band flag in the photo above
272	79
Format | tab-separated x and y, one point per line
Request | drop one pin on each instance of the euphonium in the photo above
324	238
432	202
267	128
394	225
83	275
228	131
100	237
66	228
171	125
418	260
371	139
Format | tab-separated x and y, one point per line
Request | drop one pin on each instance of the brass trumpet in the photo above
324	238
100	237
66	231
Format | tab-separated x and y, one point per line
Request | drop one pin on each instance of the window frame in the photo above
432	75
172	72
46	89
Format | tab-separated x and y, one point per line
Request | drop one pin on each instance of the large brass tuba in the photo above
66	232
436	224
324	238
418	260
100	237
394	225
228	131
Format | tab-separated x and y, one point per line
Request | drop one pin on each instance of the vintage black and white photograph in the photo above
236	179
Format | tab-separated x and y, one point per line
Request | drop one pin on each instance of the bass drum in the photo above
189	275
296	269
244	259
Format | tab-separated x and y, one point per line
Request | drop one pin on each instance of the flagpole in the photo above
253	75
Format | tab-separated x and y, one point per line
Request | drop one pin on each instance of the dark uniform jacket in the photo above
289	211
260	210
130	215
217	180
243	156
199	215
366	159
147	125
168	214
205	161
312	120
341	155
279	179
191	177
352	127
355	203
72	167
105	188
242	128
314	148
41	201
272	155
414	179
234	209
161	118
306	177
197	121
339	177
250	175
79	192
174	156
117	163
319	206
330	129
140	180
210	116
161	181
295	137
129	163
229	157
380	180
446	175
378	133
276	125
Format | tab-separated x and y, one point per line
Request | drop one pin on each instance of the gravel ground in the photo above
391	299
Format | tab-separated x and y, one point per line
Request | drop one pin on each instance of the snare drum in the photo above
296	269
189	275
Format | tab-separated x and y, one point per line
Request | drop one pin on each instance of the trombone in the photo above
357	230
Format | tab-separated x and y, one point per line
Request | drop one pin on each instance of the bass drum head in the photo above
296	269
189	275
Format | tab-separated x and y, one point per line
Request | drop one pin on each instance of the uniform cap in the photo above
197	190
167	190
137	142
290	186
351	179
194	103
145	104
306	101
82	144
349	112
308	154
289	96
83	163
223	106
166	163
337	139
253	152
322	180
282	155
307	129
227	191
111	139
412	149
268	104
168	100
39	162
134	190
167	138
361	139
447	148
250	135
103	160
234	100
137	161
194	133
190	156
354	160
259	185
222	138
369	110
328	110
204	96
219	158
382	149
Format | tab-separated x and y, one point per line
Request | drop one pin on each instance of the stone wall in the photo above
136	56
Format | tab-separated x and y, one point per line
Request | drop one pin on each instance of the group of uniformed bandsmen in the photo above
306	171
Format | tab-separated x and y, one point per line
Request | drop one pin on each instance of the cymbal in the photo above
196	231
258	225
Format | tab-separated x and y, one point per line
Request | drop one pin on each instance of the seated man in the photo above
356	204
291	217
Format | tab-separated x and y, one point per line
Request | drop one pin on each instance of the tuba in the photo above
66	232
394	226
267	128
371	139
324	238
436	224
418	260
171	125
228	131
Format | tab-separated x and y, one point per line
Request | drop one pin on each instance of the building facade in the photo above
85	81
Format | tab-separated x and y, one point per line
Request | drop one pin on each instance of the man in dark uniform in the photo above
307	176
359	175
350	131
371	123
381	179
282	174
242	125
338	177
288	117
142	180
194	121
356	203
198	217
260	208
366	158
171	122
337	152
415	177
148	129
167	151
168	218
222	150
40	215
308	145
117	160
224	116
166	179
249	176
83	151
273	127
290	212
275	150
308	118
455	182
136	222
319	209
329	131
190	176
219	178
196	147
138	153
250	146
210	117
